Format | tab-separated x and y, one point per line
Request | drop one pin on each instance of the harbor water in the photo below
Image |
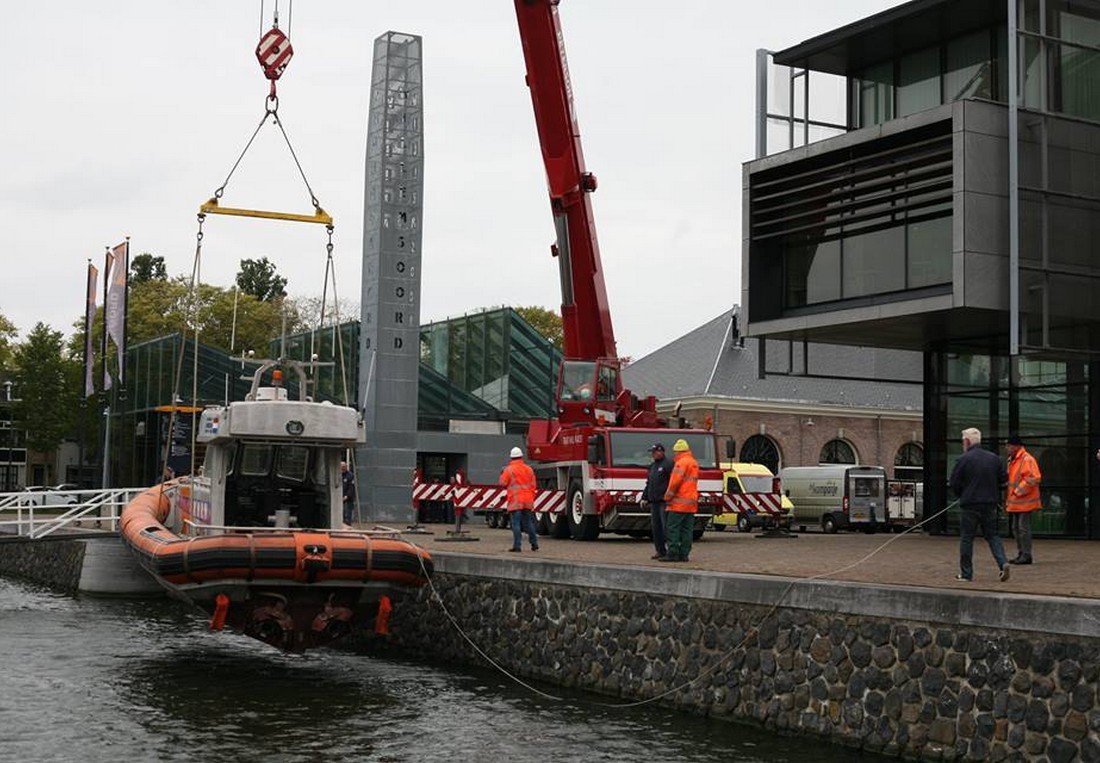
93	679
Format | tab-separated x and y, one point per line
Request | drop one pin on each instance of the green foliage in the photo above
158	308
47	398
146	267
546	322
7	339
260	279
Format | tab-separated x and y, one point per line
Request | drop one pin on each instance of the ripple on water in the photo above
108	680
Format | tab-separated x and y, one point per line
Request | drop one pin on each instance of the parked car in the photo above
65	494
753	492
837	497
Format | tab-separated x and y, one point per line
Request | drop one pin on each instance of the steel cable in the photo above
709	670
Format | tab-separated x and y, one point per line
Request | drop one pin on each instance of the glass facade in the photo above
496	358
969	66
1046	402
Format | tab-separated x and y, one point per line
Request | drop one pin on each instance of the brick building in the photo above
821	404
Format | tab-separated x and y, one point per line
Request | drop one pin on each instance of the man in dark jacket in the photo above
977	479
653	497
347	487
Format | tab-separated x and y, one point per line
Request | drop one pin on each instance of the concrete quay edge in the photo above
1056	615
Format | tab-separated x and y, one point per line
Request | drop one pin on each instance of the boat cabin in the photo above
270	462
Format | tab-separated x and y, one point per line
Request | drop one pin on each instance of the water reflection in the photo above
103	680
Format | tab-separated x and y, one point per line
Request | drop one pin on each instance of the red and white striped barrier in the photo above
483	497
754	503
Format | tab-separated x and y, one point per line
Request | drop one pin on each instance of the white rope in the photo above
708	671
470	641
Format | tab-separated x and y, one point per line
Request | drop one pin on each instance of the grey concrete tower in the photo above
389	351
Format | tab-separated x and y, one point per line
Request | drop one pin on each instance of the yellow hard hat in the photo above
680	446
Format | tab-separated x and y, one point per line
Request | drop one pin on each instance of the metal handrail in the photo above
102	506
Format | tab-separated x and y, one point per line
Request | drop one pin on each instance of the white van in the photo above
837	497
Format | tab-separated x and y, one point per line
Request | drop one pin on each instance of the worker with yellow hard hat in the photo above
682	501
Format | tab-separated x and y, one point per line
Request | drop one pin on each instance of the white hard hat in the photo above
516	453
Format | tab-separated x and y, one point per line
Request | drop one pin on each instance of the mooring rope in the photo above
754	630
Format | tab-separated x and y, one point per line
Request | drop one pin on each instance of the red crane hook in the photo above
273	53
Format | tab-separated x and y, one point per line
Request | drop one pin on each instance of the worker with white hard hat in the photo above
519	480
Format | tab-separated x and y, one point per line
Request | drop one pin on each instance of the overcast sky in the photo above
120	118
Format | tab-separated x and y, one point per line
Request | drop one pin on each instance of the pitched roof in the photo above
712	361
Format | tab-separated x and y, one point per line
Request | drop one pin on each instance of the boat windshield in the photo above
293	462
256	460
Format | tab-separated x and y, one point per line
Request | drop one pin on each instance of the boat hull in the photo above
295	590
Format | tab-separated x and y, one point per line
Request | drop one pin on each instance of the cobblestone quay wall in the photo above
56	563
935	675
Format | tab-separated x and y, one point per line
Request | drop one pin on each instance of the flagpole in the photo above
106	458
84	382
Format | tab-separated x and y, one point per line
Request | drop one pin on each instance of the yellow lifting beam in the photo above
212	207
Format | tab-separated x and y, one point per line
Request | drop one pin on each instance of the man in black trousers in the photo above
977	479
653	497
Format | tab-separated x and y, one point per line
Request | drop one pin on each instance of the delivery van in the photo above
752	498
837	497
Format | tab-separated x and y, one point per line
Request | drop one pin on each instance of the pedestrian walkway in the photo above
1063	567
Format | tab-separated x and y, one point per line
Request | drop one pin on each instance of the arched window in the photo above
909	462
761	449
838	452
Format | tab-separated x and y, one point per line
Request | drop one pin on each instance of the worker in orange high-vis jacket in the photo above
681	502
1023	496
519	480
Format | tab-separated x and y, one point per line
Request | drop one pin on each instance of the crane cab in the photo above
588	391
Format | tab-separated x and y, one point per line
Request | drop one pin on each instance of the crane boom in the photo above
586	318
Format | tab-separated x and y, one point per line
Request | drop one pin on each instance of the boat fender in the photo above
221	609
382	621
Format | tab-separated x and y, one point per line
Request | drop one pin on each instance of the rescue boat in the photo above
256	539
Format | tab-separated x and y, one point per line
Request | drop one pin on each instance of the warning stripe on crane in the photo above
754	503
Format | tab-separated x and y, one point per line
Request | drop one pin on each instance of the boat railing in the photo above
378	531
38	513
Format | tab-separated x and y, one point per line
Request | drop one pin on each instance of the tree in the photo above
7	338
546	322
259	278
145	267
158	308
47	400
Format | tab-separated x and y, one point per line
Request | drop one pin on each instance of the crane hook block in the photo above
273	53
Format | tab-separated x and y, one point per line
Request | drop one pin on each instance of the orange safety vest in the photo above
1023	483
519	479
682	495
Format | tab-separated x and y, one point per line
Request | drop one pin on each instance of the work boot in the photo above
1006	571
516	550
534	548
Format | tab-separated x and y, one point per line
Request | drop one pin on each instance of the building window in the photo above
919	81
838	452
876	95
761	449
909	462
969	70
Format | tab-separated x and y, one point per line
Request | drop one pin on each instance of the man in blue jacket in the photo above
977	479
653	497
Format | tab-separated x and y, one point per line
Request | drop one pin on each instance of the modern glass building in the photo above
928	179
490	368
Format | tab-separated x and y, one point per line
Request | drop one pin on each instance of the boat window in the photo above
256	460
320	469
293	462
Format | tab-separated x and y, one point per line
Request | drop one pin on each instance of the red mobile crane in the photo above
595	452
591	460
